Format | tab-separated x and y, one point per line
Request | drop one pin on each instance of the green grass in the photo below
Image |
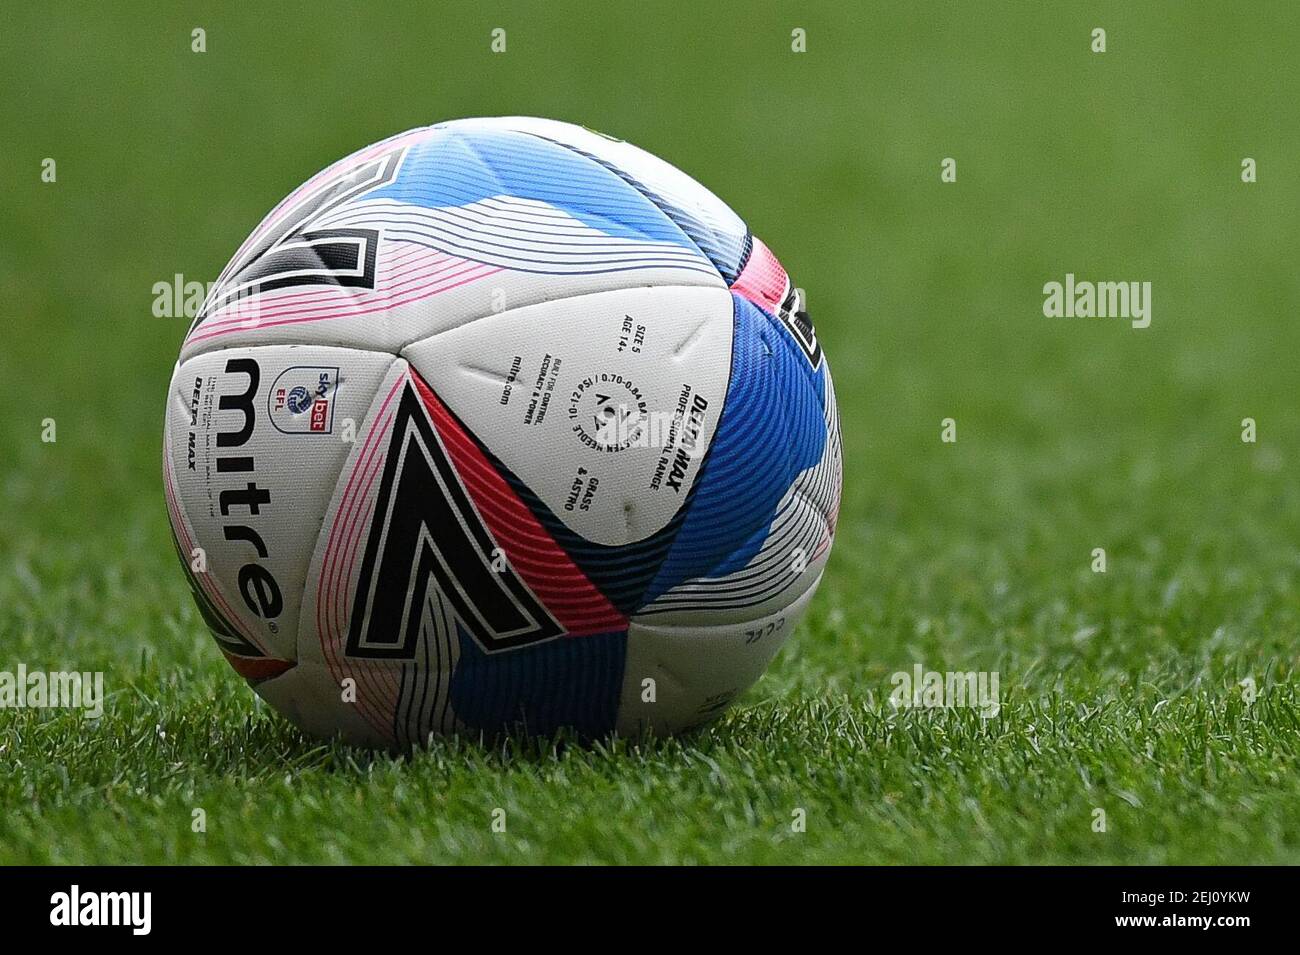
1120	690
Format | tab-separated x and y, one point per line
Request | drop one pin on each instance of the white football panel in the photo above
591	401
285	435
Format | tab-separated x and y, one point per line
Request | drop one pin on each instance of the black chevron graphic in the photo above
425	532
292	253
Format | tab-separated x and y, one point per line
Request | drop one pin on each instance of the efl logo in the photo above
302	400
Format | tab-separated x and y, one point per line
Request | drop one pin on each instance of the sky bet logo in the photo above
133	909
302	400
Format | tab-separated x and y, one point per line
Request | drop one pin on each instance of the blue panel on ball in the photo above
568	682
727	250
773	426
455	167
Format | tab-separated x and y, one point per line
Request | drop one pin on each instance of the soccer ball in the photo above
501	425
